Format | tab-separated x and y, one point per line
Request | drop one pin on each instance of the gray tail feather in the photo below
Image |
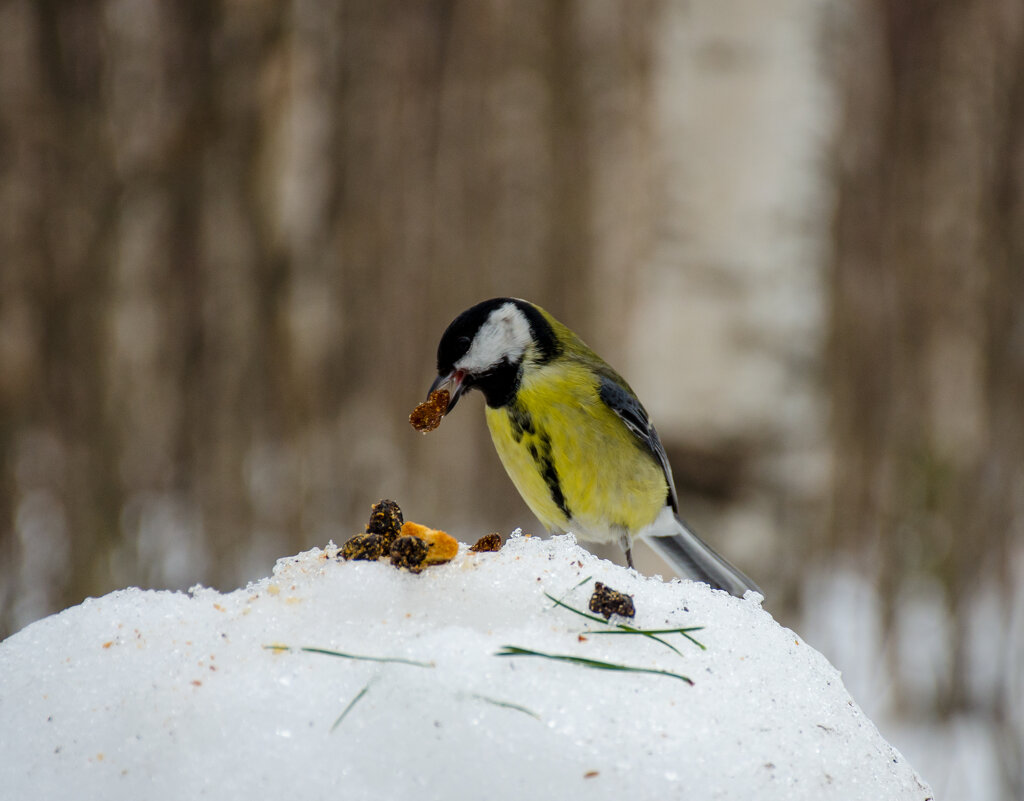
695	559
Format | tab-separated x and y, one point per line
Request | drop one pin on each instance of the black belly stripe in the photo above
521	422
546	465
524	432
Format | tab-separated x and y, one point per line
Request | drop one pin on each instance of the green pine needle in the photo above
573	609
627	629
506	705
351	704
358	657
597	664
651	632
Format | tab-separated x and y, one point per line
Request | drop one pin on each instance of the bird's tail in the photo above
695	559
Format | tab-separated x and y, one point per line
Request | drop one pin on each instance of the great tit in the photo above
572	435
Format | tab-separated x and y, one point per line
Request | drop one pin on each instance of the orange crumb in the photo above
442	546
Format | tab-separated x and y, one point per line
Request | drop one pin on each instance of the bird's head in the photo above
487	346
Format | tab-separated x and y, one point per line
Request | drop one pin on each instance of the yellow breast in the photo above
572	459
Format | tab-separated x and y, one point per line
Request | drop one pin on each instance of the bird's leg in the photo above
627	547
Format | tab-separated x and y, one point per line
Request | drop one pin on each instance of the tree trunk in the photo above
927	348
231	237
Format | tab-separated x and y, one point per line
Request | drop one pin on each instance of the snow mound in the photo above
162	695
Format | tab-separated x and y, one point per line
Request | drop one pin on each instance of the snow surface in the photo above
161	695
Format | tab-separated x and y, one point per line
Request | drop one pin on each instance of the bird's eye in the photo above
464	342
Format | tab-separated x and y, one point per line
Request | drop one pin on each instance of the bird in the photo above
572	435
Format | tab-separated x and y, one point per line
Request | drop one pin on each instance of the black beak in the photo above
454	382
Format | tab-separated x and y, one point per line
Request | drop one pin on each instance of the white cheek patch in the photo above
505	335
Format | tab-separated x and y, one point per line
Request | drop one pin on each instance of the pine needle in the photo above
597	664
358	657
651	632
567	592
564	605
627	629
351	704
506	705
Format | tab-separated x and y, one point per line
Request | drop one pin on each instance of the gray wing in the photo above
625	404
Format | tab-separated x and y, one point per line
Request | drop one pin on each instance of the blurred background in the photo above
231	234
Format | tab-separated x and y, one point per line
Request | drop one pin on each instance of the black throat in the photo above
499	384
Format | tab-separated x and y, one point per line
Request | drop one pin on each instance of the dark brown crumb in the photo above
386	521
363	546
427	416
409	552
488	542
606	601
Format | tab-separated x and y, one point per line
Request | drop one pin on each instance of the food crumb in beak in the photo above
427	416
